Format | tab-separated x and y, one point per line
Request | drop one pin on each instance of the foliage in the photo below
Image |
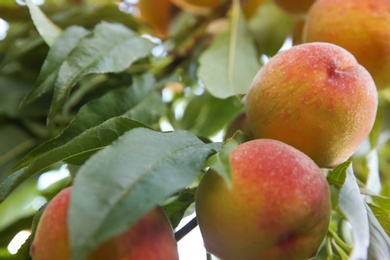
83	86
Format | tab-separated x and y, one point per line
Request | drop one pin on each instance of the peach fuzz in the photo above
277	208
360	26
315	97
150	238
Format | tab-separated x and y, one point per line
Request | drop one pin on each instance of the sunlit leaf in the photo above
339	174
127	179
220	162
229	65
46	28
379	241
383	216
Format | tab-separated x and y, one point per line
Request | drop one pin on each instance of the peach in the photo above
315	97
360	26
297	7
278	206
150	238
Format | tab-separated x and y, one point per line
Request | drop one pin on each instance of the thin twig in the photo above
186	229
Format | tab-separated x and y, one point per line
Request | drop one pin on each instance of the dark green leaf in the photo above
133	102
24	251
127	179
56	56
177	207
110	48
76	150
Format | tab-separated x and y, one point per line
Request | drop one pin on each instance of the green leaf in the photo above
220	162
352	205
379	241
270	28
133	102
229	65
19	204
24	252
382	215
76	150
46	28
177	207
338	176
56	56
15	142
127	179
205	115
110	48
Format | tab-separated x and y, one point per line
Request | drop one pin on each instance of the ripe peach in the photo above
298	7
278	206
150	238
315	97
360	26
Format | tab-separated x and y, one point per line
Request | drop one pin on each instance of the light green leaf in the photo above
110	48
220	162
337	176
382	215
229	65
270	28
56	56
379	241
46	28
206	115
127	179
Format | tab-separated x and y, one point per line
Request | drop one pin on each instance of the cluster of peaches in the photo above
308	109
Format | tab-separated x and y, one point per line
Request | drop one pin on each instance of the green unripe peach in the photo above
278	206
150	238
360	26
315	97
